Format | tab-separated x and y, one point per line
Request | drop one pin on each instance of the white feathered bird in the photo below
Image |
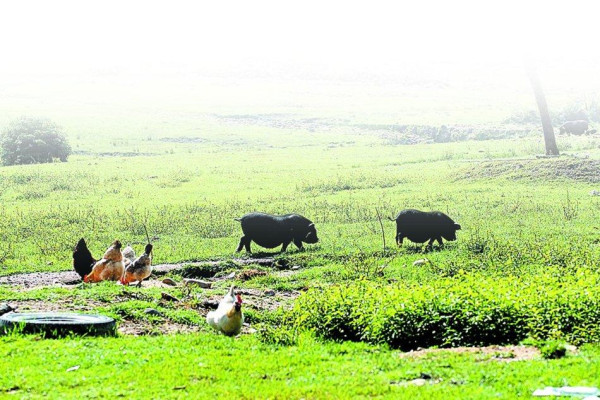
228	317
128	255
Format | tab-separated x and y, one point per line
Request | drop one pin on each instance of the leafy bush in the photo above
579	110
364	266
32	141
523	117
467	311
413	134
573	112
552	350
279	335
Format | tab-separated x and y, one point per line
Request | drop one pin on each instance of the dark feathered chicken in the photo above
82	259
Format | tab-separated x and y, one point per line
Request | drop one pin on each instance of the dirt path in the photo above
68	278
256	299
496	353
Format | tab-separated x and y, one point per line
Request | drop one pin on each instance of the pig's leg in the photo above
298	244
430	244
241	246
244	242
399	238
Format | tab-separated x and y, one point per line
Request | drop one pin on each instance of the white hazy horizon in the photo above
152	37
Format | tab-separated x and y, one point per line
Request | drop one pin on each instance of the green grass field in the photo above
524	267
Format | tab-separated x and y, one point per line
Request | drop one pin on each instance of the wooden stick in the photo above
382	230
146	230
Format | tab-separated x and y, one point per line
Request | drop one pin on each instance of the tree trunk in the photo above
540	98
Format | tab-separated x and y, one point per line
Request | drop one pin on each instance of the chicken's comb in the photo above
239	298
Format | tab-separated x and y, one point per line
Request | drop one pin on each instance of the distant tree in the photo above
33	140
549	138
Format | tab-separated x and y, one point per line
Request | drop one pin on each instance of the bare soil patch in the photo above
250	273
126	327
256	299
262	300
163	269
583	170
41	279
139	328
183	139
487	353
58	305
268	300
70	278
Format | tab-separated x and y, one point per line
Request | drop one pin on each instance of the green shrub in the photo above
32	141
465	311
552	350
277	328
279	335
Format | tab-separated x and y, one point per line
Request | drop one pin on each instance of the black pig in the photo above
272	230
420	226
578	127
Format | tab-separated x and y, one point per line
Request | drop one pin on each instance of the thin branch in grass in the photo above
146	230
382	230
6	253
570	208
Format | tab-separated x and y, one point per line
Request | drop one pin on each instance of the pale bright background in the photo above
53	48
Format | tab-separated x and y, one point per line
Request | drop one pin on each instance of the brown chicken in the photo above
110	267
140	269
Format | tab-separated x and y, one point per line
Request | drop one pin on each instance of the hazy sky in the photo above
154	36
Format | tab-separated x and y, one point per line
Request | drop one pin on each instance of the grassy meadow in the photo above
523	270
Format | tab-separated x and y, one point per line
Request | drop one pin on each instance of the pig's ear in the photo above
457	227
311	225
